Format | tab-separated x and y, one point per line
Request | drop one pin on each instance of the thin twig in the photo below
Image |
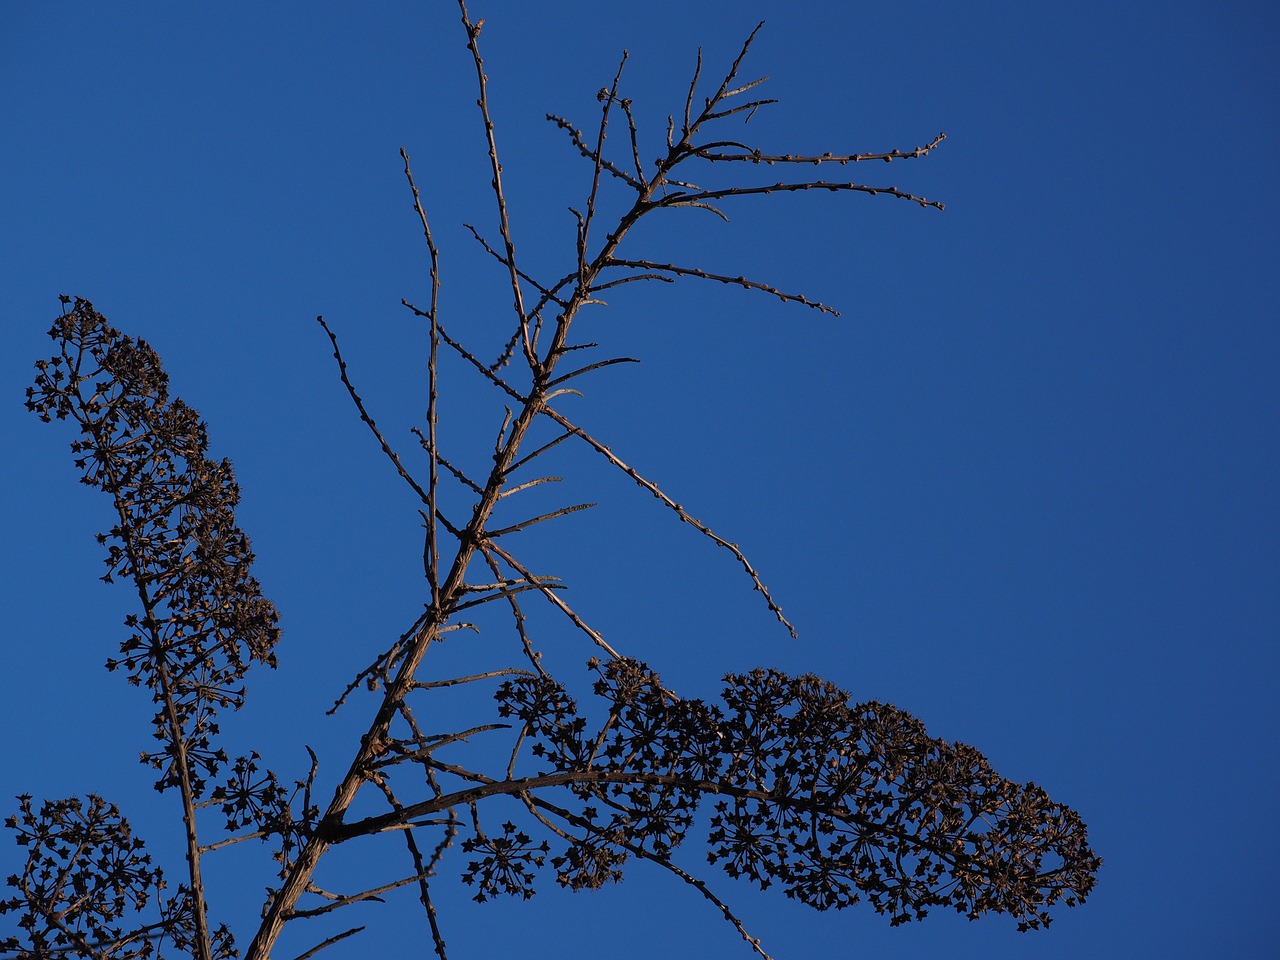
470	357
504	223
639	851
348	899
328	943
537	453
547	294
576	136
454	681
381	665
699	199
607	97
458	474
369	421
505	592
679	510
704	275
523	524
536	482
517	614
576	620
432	546
594	366
755	156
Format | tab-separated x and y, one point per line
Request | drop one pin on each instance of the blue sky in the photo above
1024	486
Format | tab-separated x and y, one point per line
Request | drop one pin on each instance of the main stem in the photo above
473	535
201	942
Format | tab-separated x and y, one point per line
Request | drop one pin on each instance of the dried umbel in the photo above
87	889
832	800
202	621
203	617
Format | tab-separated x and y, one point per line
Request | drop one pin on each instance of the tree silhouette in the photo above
783	780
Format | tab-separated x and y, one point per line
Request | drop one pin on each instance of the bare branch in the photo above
688	100
433	743
576	136
470	357
751	106
328	943
706	152
376	673
607	98
504	223
517	615
594	366
537	453
369	421
699	199
740	281
507	592
454	681
458	474
343	900
635	145
679	511
547	294
516	527
665	862
432	545
532	483
576	620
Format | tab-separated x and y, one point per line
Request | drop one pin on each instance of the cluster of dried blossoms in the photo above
794	784
203	620
834	801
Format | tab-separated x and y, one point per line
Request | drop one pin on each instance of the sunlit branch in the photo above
504	223
555	600
371	423
704	275
679	511
750	155
470	358
432	547
329	942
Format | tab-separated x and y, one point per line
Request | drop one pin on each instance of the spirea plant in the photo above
777	781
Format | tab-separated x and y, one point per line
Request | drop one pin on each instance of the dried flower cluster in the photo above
203	618
832	800
88	890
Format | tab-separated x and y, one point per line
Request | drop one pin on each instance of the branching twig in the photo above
471	358
504	223
555	601
517	615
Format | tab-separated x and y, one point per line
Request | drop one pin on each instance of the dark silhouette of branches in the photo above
786	780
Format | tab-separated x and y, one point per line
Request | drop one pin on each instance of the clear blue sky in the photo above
1025	485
